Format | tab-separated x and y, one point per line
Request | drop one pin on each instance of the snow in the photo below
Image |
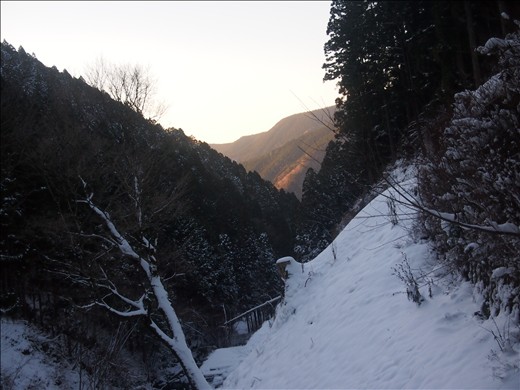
177	340
495	43
222	361
500	272
493	227
240	327
287	259
269	302
346	322
26	365
506	228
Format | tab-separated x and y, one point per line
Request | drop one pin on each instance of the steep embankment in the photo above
219	228
346	321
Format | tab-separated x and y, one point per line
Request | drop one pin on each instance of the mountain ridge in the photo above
283	154
287	165
286	129
68	151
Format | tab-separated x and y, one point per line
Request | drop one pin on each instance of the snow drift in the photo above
346	320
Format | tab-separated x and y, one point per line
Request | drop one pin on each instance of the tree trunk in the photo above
502	9
472	44
175	340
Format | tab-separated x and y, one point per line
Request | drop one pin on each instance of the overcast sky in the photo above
224	69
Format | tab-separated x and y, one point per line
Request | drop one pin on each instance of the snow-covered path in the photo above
347	323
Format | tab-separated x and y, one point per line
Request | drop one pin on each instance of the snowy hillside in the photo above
27	362
347	322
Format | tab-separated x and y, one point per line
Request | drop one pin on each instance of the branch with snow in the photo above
176	340
411	201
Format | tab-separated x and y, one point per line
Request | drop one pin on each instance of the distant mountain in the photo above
283	154
286	166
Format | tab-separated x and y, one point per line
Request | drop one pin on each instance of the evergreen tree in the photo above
58	132
476	178
397	64
392	59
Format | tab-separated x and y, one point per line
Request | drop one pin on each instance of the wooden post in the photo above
281	265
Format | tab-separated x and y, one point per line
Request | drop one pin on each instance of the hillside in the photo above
133	256
287	129
72	157
286	166
346	321
283	154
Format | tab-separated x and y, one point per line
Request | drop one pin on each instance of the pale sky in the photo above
224	69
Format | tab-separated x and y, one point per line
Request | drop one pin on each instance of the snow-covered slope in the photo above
346	321
27	363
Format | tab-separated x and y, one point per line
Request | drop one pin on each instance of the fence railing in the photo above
256	316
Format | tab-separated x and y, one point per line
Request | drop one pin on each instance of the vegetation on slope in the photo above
398	68
287	129
286	166
215	229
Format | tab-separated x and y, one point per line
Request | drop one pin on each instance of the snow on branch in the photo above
123	245
176	340
129	313
494	44
409	200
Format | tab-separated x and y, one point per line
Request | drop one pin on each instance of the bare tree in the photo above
411	201
326	119
154	302
128	216
132	85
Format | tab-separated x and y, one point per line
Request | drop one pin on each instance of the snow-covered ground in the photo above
346	321
31	359
27	362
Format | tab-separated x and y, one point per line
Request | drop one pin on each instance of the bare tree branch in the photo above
148	264
507	229
132	85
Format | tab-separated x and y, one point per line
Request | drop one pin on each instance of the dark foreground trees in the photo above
392	60
409	75
474	180
397	66
212	229
153	303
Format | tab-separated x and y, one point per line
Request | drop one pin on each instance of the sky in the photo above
223	69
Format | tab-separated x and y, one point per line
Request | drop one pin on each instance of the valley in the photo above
284	153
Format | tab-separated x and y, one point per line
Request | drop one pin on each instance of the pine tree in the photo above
476	178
